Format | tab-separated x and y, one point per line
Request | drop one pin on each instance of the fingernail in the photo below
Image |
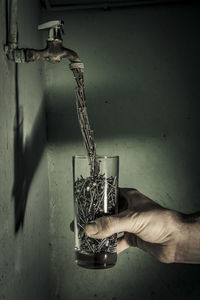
91	228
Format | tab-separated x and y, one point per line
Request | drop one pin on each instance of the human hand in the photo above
146	225
168	235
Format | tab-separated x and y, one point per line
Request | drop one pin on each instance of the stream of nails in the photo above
95	196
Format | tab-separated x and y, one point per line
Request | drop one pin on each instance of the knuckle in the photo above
109	224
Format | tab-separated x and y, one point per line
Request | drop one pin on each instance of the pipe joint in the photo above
15	54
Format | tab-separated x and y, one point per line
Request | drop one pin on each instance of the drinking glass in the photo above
95	196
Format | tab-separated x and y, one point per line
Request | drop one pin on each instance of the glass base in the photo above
96	261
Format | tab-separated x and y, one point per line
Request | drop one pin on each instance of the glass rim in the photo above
98	156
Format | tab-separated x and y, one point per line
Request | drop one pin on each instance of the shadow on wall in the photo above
26	157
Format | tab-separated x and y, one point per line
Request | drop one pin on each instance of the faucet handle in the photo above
55	29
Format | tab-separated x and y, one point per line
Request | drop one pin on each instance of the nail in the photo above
91	228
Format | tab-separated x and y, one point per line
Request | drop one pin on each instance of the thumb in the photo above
108	225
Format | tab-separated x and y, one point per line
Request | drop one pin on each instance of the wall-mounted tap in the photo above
53	52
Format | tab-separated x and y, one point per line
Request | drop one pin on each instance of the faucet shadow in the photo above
27	156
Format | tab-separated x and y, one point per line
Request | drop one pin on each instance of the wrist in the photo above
188	240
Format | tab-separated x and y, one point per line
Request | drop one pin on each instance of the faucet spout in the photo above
54	53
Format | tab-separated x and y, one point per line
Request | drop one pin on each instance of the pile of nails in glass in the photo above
95	197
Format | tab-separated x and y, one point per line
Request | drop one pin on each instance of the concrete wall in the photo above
142	87
24	198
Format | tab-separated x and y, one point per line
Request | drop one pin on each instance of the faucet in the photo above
53	52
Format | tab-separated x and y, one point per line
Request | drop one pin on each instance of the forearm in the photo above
188	246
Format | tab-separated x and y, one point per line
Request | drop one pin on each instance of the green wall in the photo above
142	88
24	196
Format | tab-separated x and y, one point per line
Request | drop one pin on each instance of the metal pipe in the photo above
12	36
11	49
107	5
